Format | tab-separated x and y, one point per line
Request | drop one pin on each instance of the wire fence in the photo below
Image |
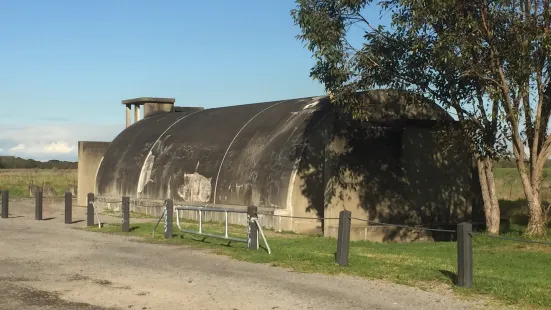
374	223
105	200
403	226
132	202
511	239
369	222
300	217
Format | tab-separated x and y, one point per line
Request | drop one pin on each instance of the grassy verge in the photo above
17	180
508	272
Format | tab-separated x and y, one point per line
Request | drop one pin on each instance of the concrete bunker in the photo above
300	158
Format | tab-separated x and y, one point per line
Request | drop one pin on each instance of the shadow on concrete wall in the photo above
396	172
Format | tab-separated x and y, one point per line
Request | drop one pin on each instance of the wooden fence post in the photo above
38	205
464	255
125	209
343	239
169	209
252	229
90	210
5	203
68	208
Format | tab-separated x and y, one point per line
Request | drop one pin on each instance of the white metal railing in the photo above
200	232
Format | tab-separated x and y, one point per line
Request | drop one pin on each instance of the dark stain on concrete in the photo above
19	297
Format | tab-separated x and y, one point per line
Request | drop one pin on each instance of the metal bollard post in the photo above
68	208
125	214
169	205
252	230
38	206
464	255
5	203
343	238
90	210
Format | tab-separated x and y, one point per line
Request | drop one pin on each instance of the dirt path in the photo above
48	265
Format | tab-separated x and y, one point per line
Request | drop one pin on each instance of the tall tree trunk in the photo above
489	195
532	186
536	221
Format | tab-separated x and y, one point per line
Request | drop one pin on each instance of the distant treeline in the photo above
504	163
12	162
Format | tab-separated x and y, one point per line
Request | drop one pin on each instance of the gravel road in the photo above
49	265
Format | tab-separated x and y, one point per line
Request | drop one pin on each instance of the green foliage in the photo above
460	55
12	162
486	62
429	51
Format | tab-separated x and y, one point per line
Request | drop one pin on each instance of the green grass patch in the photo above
17	180
507	272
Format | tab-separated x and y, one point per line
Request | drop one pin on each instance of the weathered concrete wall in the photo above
157	108
399	176
90	155
238	155
300	158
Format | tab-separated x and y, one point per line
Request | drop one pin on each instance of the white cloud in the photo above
53	148
52	141
16	148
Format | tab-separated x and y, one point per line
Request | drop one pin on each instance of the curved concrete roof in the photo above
232	155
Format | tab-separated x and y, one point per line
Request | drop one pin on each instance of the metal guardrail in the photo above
159	221
200	210
262	233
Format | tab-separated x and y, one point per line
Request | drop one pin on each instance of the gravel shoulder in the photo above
49	265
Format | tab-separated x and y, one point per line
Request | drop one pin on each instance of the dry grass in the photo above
509	187
17	180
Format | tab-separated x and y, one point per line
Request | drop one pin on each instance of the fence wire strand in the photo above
511	239
403	226
132	202
105	200
300	217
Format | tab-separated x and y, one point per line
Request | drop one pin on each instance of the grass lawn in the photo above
17	180
507	272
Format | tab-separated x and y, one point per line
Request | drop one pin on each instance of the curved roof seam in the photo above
153	145
229	146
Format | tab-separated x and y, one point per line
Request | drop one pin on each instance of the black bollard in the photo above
90	210
343	238
125	214
68	208
464	255
5	203
252	230
38	206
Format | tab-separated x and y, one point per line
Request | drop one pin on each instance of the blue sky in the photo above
66	65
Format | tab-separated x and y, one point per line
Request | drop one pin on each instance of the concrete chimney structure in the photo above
152	106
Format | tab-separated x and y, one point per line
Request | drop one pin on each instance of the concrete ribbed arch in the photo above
159	156
119	170
231	143
141	179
